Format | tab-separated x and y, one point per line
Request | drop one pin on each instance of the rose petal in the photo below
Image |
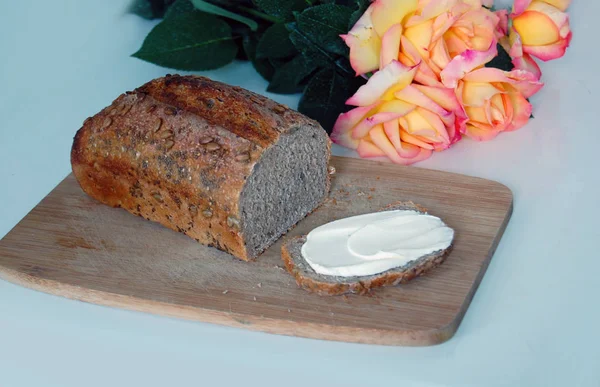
560	4
342	129
520	60
420	36
527	63
476	93
392	131
394	76
480	134
522	111
380	139
390	45
362	129
439	54
464	63
386	13
414	140
410	56
436	123
549	52
365	45
520	6
413	95
522	80
367	149
502	27
442	96
557	16
536	29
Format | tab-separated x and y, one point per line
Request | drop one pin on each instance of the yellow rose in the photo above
541	27
494	100
400	120
427	32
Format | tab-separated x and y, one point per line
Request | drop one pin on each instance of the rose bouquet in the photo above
392	79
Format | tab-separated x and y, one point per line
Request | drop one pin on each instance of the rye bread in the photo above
328	285
230	168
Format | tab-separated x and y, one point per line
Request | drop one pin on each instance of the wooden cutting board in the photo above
72	246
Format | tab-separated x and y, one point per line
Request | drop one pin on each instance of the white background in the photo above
533	322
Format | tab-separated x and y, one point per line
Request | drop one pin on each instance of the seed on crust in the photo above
169	144
151	108
157	196
212	146
331	170
193	210
107	122
170	111
279	109
233	222
126	108
205	140
157	125
207	213
242	157
166	134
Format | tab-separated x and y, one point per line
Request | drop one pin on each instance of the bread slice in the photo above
227	167
327	285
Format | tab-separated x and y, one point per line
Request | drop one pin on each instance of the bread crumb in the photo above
372	189
254	298
370	197
259	284
361	193
289	311
225	291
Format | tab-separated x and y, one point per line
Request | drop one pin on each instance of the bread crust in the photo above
178	151
327	286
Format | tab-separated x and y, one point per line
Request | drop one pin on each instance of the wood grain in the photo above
72	246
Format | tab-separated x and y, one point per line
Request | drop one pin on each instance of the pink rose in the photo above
399	120
428	32
494	100
541	28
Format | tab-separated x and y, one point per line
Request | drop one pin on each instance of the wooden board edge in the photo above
469	297
415	338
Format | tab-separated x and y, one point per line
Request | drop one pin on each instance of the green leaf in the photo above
189	41
275	43
501	61
288	78
313	53
325	96
323	24
262	66
179	7
282	9
309	50
216	10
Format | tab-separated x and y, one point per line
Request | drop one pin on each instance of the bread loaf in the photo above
329	285
225	166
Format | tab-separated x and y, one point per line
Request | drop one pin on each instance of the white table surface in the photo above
533	322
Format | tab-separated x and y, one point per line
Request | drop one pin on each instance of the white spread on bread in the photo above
373	243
